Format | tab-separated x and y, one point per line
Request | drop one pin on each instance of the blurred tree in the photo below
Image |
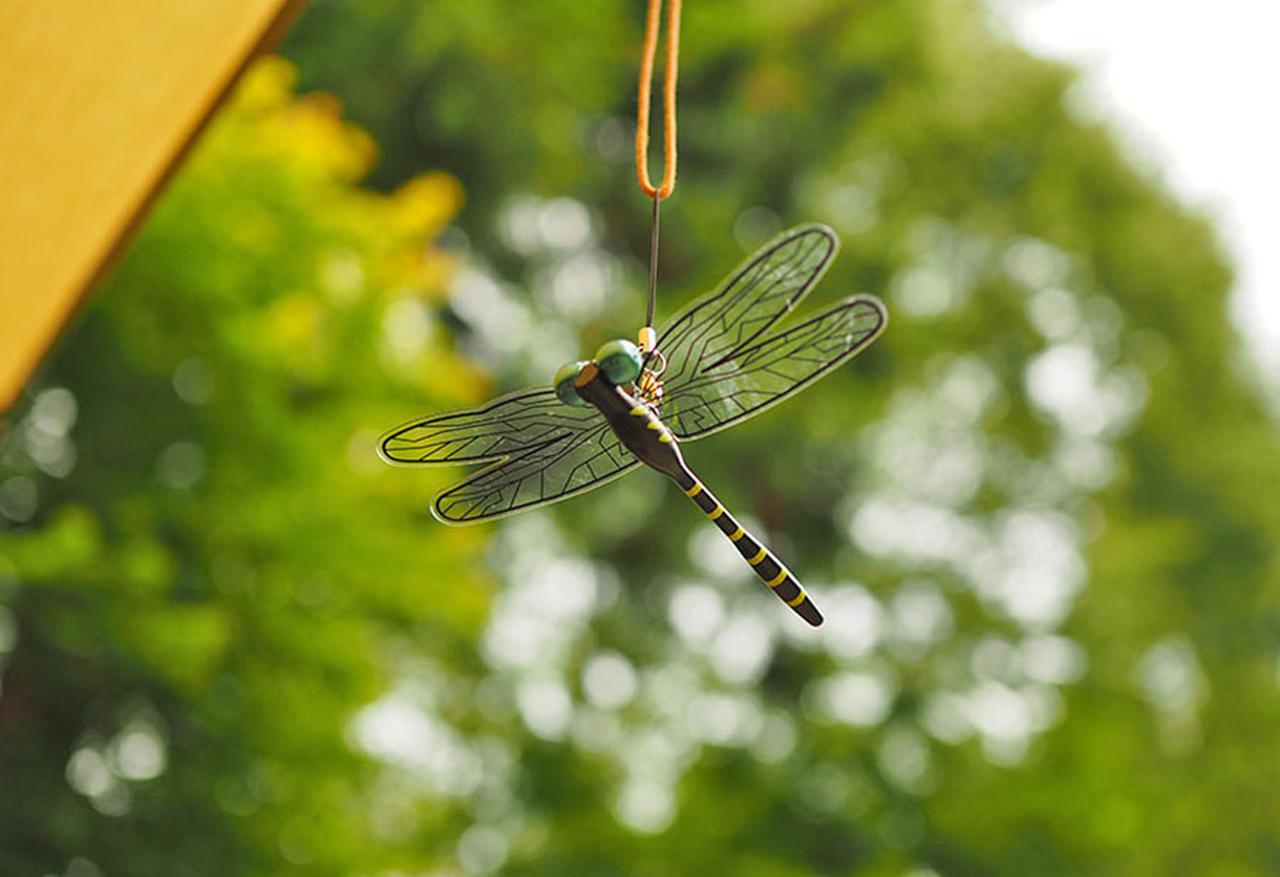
1037	514
197	612
1035	505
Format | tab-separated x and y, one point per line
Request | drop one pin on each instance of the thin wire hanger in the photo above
648	335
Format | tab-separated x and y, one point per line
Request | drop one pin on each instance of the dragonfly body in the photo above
635	424
726	361
644	434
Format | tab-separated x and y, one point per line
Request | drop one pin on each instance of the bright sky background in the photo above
1193	88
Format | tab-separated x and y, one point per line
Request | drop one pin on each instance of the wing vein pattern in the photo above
723	366
541	451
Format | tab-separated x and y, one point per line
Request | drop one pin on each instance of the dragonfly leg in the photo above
765	563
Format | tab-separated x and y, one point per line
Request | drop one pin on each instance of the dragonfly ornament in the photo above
716	363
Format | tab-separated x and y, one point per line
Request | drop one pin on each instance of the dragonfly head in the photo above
620	360
563	382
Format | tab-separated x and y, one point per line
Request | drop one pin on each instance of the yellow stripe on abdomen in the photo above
776	577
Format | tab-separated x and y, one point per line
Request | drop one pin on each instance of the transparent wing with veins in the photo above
723	365
724	362
541	451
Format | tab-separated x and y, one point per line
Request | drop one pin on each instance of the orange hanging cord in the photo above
648	336
662	192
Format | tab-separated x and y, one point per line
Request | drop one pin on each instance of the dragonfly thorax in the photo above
636	424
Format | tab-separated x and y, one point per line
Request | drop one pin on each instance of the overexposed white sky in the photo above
1193	88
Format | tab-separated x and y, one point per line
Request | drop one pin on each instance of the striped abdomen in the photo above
771	571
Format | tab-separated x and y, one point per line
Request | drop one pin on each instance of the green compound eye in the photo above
620	360
563	382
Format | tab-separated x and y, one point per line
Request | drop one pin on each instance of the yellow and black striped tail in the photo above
762	560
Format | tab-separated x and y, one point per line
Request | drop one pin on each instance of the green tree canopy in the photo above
1037	514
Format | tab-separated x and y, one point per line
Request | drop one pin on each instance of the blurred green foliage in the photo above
1038	514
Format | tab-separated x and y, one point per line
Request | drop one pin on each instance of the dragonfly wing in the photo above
518	421
541	449
768	370
769	284
550	473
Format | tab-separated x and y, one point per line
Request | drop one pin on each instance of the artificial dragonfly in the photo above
716	363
